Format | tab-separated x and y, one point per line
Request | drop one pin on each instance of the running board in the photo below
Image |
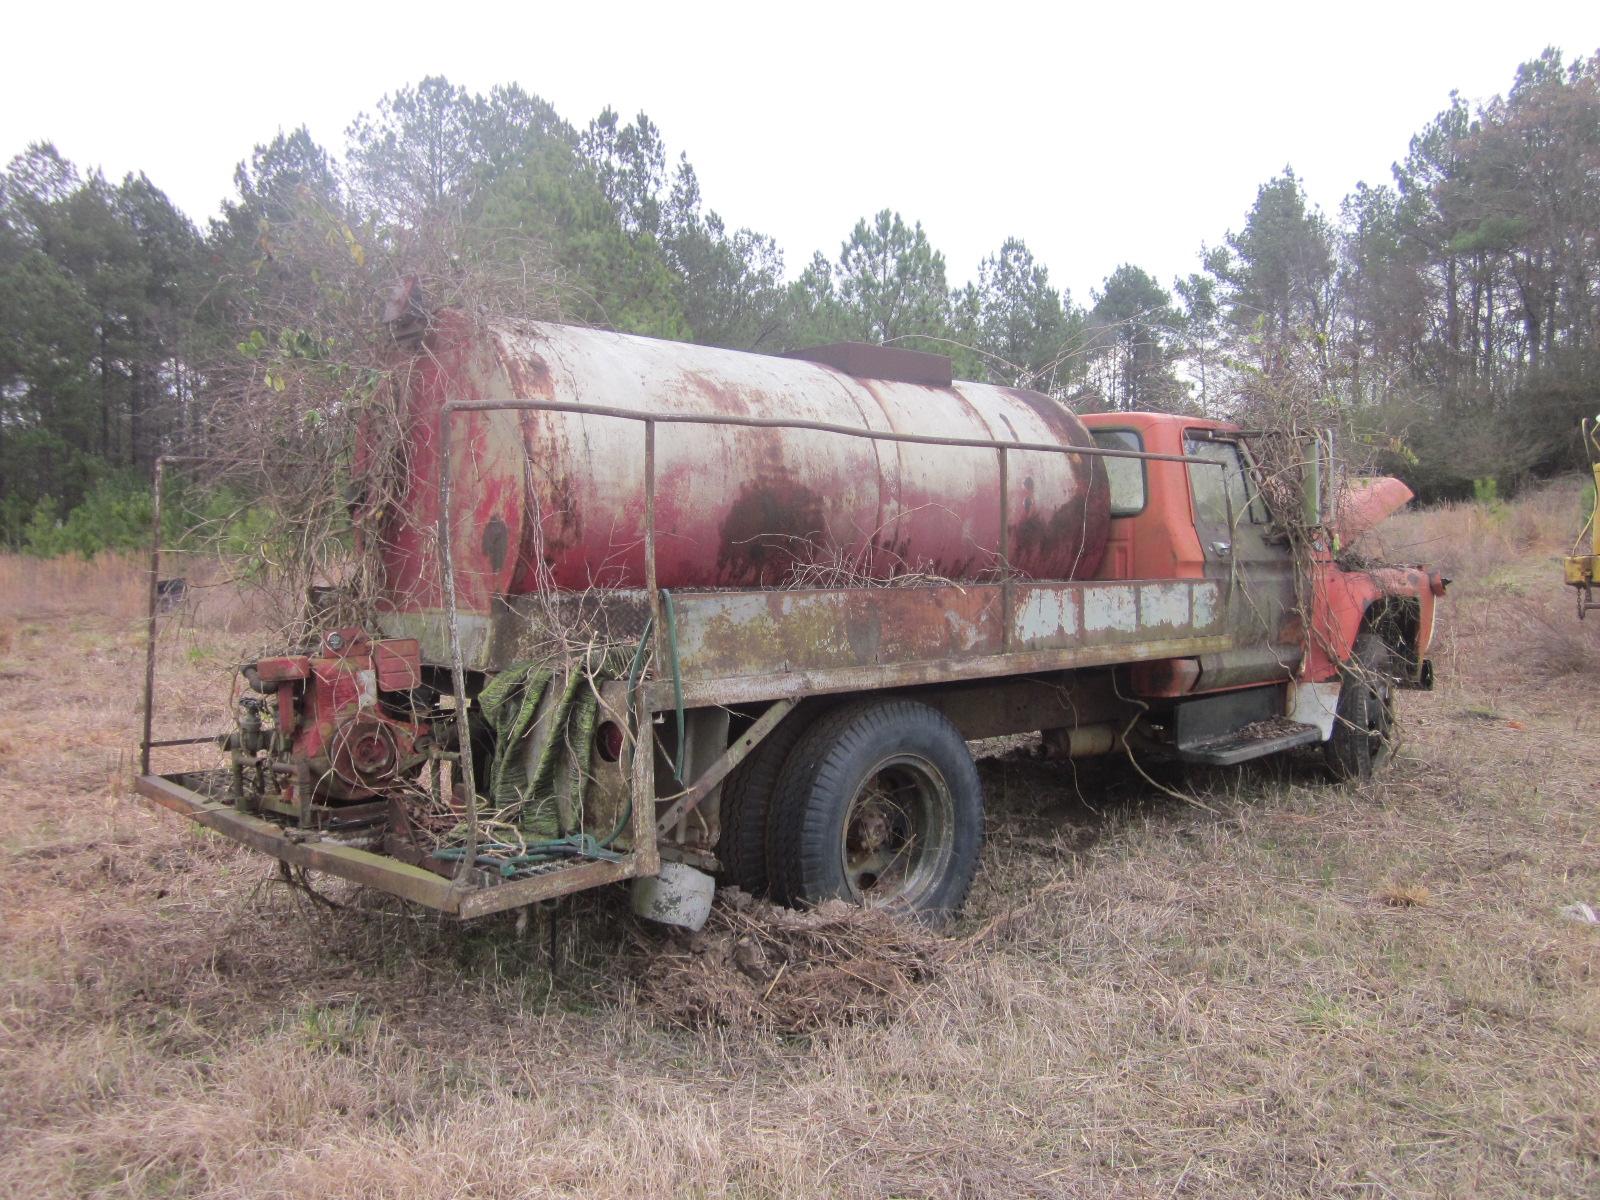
1255	740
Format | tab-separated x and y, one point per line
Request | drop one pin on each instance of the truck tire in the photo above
747	804
1363	728
879	803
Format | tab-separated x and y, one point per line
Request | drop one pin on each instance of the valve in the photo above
250	724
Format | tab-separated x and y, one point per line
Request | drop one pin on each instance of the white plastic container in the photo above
680	895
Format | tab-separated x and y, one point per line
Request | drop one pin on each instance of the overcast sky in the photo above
1117	133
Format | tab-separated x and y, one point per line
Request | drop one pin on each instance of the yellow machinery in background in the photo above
1581	568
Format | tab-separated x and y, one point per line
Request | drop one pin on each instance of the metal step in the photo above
1255	740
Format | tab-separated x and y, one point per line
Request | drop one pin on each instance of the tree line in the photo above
1446	318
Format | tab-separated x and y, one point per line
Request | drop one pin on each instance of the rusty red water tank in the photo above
552	499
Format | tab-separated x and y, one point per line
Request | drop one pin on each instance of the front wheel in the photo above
1364	728
879	804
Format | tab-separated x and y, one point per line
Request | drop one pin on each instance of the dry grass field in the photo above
1285	988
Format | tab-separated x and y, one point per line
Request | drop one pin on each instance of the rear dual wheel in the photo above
747	805
878	803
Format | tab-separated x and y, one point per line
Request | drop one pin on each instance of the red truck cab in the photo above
1300	621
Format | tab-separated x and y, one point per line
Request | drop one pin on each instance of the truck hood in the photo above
1365	502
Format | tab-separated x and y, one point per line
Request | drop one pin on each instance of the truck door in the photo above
1250	558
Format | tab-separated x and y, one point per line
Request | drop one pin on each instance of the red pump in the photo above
331	716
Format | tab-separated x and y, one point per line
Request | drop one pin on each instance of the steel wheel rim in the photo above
1379	722
898	833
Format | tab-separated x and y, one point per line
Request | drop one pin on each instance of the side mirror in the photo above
1316	469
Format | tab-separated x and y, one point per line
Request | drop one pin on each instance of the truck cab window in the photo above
1126	475
1219	491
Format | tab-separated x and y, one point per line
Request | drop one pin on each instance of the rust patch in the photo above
553	526
527	374
495	542
1047	546
772	525
866	636
724	396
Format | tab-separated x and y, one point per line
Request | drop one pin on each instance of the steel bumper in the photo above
477	896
